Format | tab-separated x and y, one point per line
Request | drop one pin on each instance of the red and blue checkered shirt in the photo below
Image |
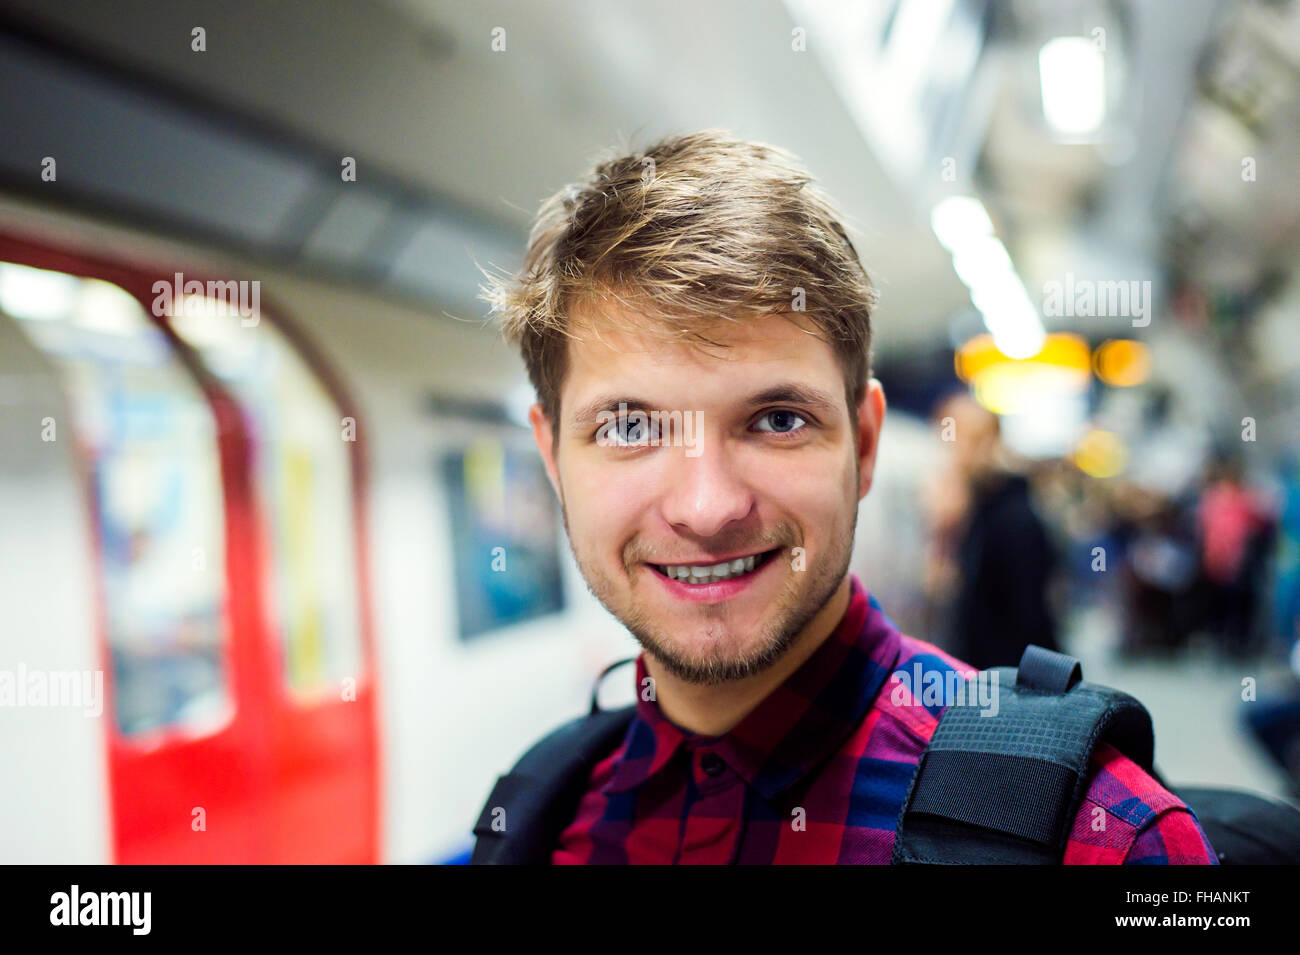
829	741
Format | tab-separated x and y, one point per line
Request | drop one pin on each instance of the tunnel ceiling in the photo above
456	144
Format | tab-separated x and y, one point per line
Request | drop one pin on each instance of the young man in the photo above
696	324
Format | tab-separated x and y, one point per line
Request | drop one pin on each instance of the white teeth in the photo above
711	573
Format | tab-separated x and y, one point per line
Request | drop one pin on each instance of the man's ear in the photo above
871	417
545	438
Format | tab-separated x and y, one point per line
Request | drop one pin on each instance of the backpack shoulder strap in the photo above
530	806
1244	828
1003	777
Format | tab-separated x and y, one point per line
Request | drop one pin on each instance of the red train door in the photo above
224	486
304	463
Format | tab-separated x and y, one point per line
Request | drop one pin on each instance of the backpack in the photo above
1030	758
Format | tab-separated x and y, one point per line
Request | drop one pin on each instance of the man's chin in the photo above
710	657
731	646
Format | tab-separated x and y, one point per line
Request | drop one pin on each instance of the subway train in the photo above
194	676
233	632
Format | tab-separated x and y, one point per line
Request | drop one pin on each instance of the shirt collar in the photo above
797	725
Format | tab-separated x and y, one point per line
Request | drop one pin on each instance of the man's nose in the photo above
705	493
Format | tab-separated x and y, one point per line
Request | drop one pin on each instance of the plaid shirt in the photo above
829	741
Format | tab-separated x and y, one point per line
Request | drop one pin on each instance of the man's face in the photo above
757	467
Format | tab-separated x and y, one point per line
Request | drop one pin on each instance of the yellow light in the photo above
1122	363
976	355
1007	385
1100	454
1066	351
1060	350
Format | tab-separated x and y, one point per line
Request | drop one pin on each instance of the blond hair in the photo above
693	230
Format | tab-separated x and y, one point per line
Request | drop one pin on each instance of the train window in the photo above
303	469
149	439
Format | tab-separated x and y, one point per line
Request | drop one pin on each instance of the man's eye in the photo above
783	422
635	431
624	433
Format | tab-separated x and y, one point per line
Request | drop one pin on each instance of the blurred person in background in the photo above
945	503
1159	569
1274	719
992	559
1286	593
1236	535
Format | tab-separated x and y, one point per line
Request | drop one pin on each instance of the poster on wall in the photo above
505	530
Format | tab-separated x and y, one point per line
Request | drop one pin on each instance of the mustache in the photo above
782	536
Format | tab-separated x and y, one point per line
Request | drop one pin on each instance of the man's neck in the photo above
714	710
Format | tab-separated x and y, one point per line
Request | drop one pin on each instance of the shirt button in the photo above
712	764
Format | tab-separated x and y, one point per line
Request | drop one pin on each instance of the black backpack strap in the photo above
530	806
1004	786
1243	828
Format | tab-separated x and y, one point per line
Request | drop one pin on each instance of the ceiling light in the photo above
1072	74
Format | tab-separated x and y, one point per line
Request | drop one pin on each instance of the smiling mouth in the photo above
700	574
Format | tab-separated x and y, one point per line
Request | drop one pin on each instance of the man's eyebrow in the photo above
611	403
784	393
795	394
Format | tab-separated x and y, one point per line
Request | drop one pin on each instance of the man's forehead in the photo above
598	336
766	358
